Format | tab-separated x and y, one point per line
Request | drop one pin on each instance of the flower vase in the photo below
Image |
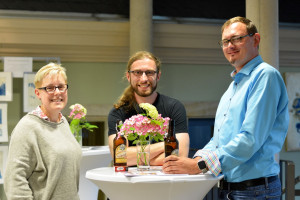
78	136
143	155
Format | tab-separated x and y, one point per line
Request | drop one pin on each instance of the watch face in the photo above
202	165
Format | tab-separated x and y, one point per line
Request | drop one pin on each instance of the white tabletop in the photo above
174	187
94	150
92	157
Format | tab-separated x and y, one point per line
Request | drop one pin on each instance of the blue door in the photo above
200	130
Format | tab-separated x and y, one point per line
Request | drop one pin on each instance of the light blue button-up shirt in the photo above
251	123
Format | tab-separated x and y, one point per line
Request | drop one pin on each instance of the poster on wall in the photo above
3	158
3	122
18	65
292	81
30	100
6	86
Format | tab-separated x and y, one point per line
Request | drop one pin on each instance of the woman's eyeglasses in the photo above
51	89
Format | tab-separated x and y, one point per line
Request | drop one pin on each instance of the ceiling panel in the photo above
214	9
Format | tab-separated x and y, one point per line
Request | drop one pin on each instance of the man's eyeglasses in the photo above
235	40
51	89
140	73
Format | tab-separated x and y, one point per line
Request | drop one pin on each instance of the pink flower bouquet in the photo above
150	125
77	115
141	129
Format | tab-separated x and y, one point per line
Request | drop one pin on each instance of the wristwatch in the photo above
202	166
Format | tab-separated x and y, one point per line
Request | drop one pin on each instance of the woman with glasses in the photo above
44	157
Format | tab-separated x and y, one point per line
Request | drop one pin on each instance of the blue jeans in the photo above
272	191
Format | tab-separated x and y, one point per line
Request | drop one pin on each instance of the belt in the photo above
224	185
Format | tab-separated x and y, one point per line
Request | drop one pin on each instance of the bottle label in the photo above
121	168
175	152
169	150
120	156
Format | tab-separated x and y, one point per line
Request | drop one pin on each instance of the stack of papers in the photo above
154	171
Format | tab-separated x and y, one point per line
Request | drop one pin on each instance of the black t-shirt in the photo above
166	106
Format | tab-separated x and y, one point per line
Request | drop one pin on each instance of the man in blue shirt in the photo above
250	125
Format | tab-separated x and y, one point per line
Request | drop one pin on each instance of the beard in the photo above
143	93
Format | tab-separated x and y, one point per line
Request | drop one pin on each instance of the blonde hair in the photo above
127	98
49	69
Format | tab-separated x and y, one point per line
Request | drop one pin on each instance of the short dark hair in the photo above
251	28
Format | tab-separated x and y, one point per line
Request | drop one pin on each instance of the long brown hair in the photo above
127	98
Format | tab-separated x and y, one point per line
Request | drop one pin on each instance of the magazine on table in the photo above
153	171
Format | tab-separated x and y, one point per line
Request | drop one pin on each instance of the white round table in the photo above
117	186
92	157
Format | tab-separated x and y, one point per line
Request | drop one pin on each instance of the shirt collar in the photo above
247	69
38	112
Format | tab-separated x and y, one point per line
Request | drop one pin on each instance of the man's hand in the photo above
181	165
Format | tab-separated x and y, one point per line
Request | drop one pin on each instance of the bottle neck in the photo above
171	131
